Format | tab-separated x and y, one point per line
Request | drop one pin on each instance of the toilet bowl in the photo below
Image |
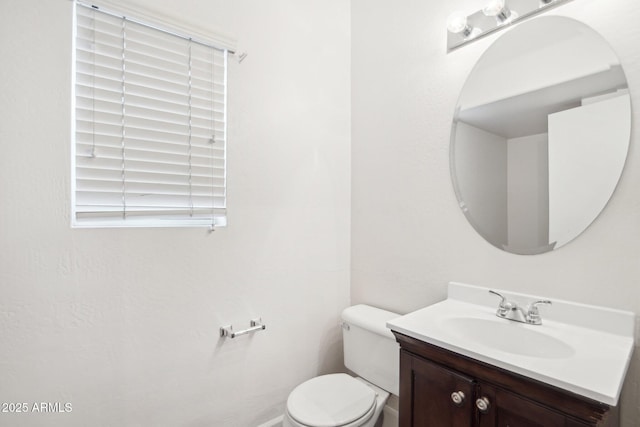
342	400
334	400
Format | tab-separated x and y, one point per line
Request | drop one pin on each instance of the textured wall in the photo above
409	238
123	324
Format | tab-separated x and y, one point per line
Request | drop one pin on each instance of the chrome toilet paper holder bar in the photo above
255	326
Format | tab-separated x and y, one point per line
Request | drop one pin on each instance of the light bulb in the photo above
493	8
457	23
498	9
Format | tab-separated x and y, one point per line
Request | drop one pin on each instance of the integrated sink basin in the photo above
508	336
580	348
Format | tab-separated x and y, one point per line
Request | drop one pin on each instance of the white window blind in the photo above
150	125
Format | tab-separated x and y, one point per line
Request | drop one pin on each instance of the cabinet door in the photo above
506	409
433	396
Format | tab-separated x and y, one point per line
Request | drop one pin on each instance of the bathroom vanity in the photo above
462	366
441	388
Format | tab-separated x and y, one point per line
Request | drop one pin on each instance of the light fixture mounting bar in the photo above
503	13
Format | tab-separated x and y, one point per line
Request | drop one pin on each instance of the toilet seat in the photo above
335	400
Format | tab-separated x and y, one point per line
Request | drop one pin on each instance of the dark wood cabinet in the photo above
510	410
431	388
439	388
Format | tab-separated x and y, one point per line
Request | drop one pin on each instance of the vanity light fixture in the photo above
496	14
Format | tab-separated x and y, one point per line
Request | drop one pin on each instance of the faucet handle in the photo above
533	315
500	295
534	305
504	306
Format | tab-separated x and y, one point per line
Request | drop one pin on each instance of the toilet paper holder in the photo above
255	326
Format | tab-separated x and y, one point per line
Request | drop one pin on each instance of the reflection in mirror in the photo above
540	135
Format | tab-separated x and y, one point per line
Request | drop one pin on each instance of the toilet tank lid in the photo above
370	318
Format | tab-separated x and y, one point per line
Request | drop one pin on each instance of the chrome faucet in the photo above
512	311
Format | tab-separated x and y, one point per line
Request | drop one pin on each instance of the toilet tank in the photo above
370	349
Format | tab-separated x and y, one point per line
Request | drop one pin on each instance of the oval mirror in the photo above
540	135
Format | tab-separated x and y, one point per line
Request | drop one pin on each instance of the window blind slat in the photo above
148	106
101	138
201	146
88	166
143	189
108	102
93	201
141	183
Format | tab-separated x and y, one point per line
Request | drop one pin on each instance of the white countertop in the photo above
593	358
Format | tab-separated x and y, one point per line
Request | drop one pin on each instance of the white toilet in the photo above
340	400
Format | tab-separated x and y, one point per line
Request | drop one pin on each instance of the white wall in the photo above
528	189
578	190
124	324
405	250
480	163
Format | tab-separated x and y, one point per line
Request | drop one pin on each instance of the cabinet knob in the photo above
483	405
457	397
